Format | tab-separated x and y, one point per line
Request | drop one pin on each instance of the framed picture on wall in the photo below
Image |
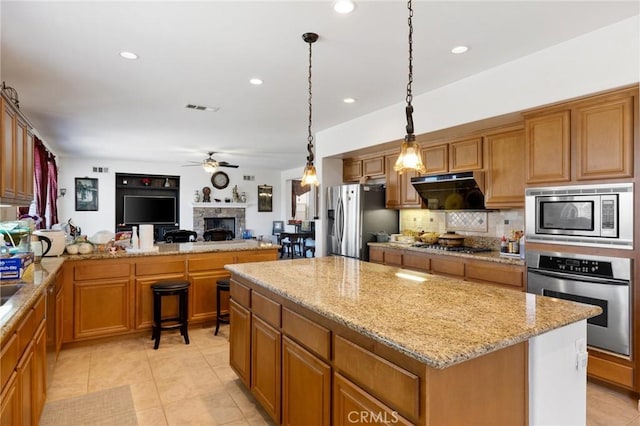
86	194
265	198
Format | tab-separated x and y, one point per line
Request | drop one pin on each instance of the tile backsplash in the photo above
487	224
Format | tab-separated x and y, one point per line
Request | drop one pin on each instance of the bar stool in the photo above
222	285
178	288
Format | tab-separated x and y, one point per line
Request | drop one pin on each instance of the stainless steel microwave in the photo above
592	215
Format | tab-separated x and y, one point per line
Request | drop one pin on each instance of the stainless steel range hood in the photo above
452	191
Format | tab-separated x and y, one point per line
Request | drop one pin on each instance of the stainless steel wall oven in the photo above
594	280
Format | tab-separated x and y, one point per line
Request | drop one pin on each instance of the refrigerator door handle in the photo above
339	221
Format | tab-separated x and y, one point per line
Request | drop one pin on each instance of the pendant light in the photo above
309	177
410	157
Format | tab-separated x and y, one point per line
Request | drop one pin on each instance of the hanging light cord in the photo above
409	108
310	137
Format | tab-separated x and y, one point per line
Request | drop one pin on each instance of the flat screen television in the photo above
149	209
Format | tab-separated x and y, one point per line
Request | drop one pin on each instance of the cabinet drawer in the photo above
38	310
417	261
241	294
8	358
400	388
100	270
447	267
266	309
25	331
393	258
308	333
511	276
262	256
159	267
610	371
211	261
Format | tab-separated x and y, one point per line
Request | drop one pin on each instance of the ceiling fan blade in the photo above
191	165
226	164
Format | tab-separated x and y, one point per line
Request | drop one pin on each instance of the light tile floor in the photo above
177	384
193	384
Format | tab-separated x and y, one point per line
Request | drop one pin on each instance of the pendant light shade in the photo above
410	157
309	177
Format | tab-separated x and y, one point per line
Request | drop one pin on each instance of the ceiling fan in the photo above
210	164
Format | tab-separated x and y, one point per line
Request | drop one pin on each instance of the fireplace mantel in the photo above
216	205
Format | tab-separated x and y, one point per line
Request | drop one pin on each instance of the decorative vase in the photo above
196	196
167	184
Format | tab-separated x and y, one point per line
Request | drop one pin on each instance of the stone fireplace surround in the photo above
202	213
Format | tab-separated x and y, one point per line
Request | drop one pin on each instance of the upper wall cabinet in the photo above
456	156
589	139
16	159
400	193
353	169
504	187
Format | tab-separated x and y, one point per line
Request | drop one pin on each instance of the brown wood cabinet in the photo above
16	159
23	364
476	270
353	169
504	186
266	357
586	139
399	191
109	297
373	167
456	156
240	341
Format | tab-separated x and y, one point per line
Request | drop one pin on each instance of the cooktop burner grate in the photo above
459	249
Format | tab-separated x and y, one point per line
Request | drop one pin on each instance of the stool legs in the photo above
184	309
183	312
222	285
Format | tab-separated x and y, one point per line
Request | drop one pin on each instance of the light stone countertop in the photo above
439	321
16	307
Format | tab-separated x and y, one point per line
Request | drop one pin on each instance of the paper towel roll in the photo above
146	237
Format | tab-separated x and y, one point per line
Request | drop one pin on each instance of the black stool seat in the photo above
223	284
178	288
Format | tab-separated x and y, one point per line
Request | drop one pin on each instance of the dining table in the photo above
289	241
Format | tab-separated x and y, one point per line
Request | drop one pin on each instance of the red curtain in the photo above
53	191
41	170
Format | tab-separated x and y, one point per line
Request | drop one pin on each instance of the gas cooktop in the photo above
458	249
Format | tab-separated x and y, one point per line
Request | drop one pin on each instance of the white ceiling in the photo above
86	101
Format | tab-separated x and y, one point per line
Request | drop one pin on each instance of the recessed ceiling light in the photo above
128	55
344	6
256	81
348	100
459	49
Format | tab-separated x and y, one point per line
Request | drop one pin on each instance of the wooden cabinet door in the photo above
25	385
7	145
28	167
393	257
202	295
20	159
351	170
604	139
448	267
409	197
376	254
416	261
39	390
373	167
505	170
548	148
59	319
436	158
240	341
393	190
266	360
101	307
306	387
10	402
465	155
144	300
352	405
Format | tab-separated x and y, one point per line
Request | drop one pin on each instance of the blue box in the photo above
12	268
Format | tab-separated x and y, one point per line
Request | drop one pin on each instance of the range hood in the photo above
452	191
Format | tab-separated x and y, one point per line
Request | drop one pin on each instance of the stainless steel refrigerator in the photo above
356	213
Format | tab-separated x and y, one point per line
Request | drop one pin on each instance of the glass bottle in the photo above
135	242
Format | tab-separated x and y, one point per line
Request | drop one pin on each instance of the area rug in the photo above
110	407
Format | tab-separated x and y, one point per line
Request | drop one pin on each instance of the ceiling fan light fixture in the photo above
209	165
410	157
310	177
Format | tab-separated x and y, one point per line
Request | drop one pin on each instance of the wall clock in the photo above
220	180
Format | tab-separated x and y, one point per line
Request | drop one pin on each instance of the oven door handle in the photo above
576	277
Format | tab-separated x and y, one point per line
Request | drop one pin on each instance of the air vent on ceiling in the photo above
202	108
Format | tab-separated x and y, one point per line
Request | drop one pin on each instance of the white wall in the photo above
601	60
191	178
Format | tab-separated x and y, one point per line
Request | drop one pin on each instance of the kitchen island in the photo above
331	336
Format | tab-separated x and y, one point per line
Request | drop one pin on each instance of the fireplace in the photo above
229	218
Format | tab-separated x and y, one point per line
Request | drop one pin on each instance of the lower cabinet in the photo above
265	366
240	341
101	307
10	402
25	386
39	390
306	387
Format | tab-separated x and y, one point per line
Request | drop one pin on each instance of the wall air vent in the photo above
202	108
100	169
248	177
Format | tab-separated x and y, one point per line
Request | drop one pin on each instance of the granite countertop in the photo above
164	249
15	308
439	321
491	256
